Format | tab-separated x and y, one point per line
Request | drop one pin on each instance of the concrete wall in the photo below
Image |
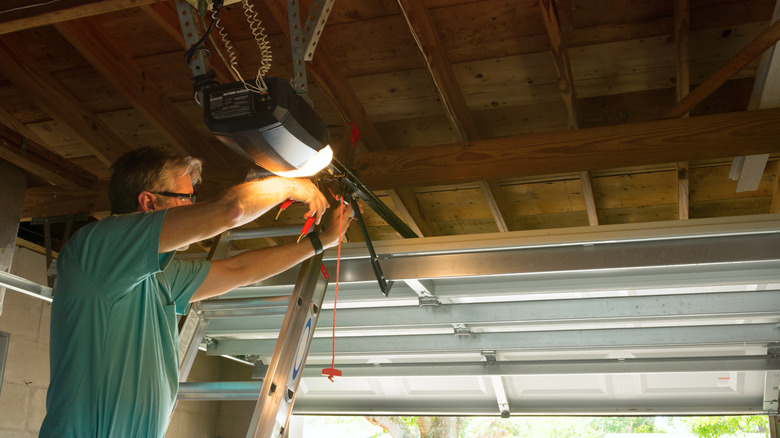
23	396
26	378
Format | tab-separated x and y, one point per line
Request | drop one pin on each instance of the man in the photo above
114	340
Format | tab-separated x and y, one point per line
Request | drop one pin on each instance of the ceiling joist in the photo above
19	15
127	77
54	98
38	160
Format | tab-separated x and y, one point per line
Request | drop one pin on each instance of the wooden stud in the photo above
683	197
775	206
590	200
491	190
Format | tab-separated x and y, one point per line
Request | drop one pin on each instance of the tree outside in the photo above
539	427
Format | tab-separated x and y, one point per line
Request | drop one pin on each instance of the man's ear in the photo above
146	201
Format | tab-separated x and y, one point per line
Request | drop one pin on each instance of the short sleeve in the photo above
180	280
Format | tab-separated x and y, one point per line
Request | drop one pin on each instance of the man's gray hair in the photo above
150	169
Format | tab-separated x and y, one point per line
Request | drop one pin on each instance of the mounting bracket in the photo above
304	40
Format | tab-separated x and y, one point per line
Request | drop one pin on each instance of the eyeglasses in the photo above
181	196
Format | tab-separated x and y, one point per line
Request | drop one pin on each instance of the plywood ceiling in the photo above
475	116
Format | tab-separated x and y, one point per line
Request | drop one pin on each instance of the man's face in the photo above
182	185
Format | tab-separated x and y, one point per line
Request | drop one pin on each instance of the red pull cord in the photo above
332	371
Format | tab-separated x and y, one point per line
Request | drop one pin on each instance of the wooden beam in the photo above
56	12
561	59
658	142
439	69
683	195
34	158
326	73
590	199
54	98
755	48
57	201
127	77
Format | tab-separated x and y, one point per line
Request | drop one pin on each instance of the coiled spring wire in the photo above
258	32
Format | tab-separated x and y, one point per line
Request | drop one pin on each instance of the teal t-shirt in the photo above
114	338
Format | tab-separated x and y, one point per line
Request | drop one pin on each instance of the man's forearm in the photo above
252	266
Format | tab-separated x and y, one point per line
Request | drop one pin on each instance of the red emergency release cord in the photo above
332	371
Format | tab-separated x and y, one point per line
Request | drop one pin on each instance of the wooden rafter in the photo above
57	201
25	17
54	98
127	77
665	141
36	159
755	48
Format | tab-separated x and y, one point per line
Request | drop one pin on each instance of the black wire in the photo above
208	79
217	8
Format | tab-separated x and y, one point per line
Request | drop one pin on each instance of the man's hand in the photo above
305	191
330	236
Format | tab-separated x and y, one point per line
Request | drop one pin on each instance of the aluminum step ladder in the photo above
284	372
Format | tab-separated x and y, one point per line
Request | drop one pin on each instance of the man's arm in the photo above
255	265
237	206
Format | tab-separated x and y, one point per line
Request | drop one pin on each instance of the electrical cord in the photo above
208	79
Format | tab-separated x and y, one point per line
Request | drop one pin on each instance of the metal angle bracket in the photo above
315	22
302	44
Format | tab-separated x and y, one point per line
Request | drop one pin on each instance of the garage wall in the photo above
26	377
